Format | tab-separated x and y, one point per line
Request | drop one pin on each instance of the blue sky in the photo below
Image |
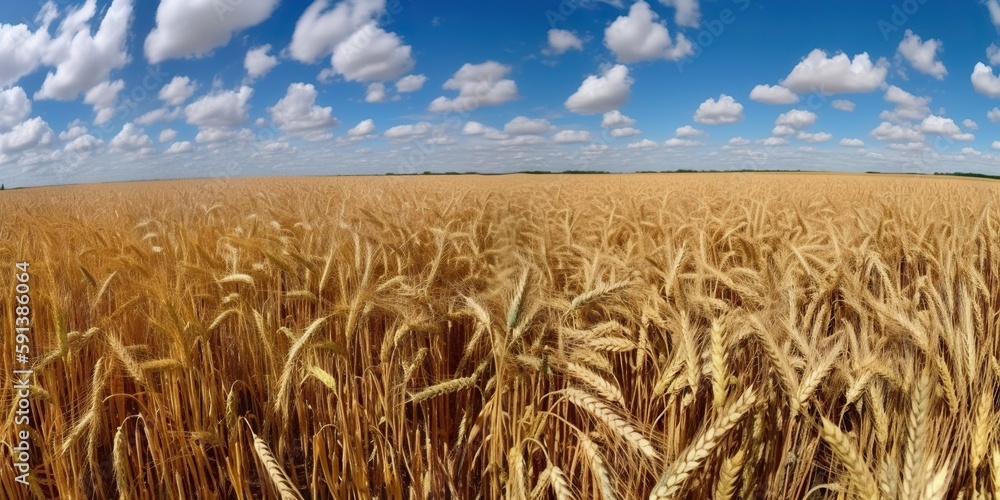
100	90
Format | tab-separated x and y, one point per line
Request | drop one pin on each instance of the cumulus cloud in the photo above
523	125
738	141
922	55
478	85
639	36
177	91
571	136
409	131
363	128
218	135
836	75
298	112
970	124
561	41
159	115
83	144
21	49
220	109
796	119
688	12
908	106
994	115
26	135
643	144
852	143
721	111
410	83
73	130
361	50
677	142
993	6
103	97
892	132
624	132
843	105
615	119
372	54
687	131
601	94
939	125
167	135
375	92
180	147
193	28
984	81
817	137
996	145
131	138
81	60
993	54
258	62
773	141
14	107
775	94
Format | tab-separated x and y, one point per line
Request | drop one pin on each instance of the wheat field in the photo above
567	336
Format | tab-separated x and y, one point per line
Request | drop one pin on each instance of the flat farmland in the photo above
517	336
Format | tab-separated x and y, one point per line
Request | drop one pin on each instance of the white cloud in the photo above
922	55
220	109
475	128
478	85
639	37
410	83
615	119
725	110
372	54
775	94
994	115
363	128
939	125
74	130
837	74
561	41
21	49
782	130
817	137
14	107
81	60
193	28
601	94
796	118
993	54
738	141
984	81
909	146
167	135
896	133
159	115
180	147
970	124
318	31
643	144
26	135
375	92
216	135
996	145
908	106
410	131
688	12
177	91
688	131
83	144
523	140
131	138
258	62
571	136
523	125
676	142
624	132
843	105
773	141
103	97
297	111
852	143
993	6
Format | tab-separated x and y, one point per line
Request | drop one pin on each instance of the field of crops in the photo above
562	336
